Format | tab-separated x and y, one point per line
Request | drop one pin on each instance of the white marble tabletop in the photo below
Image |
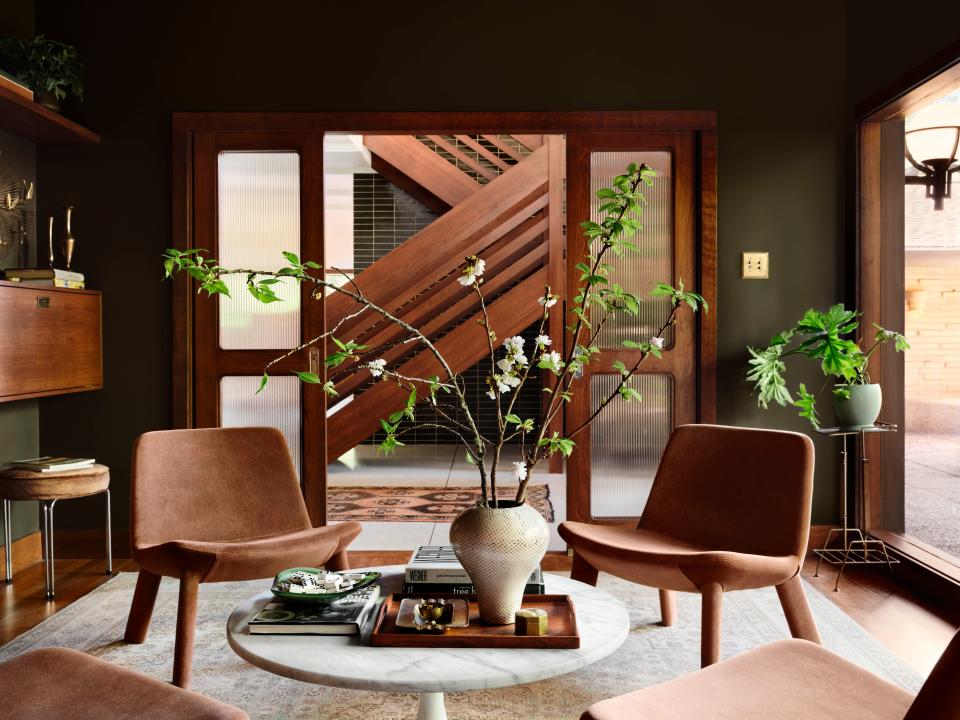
350	661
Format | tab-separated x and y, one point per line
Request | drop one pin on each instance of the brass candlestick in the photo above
68	240
50	237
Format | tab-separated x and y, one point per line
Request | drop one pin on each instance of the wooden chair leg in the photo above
582	570
186	630
338	562
668	607
795	607
141	609
711	614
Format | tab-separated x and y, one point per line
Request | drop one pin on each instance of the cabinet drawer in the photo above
50	341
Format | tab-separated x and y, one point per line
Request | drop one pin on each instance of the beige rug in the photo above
651	654
419	504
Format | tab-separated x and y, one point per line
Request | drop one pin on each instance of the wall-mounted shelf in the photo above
32	121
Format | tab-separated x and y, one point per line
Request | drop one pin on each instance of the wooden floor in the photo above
913	629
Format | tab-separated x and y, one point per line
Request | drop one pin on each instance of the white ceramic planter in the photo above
499	548
861	409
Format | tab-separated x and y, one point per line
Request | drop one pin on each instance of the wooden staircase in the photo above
503	218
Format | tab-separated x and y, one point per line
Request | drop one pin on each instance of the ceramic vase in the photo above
499	548
861	409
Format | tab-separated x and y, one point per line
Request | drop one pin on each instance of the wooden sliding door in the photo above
257	196
611	472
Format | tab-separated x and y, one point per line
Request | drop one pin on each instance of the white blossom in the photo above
514	345
506	364
520	359
553	360
520	471
376	367
657	342
890	334
501	385
542	341
492	394
511	380
548	301
472	271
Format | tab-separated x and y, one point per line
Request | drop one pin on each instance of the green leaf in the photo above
263	383
807	405
308	377
628	394
291	258
513	419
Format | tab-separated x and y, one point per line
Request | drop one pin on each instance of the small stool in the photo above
47	488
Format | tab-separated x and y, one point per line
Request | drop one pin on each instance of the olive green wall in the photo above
777	82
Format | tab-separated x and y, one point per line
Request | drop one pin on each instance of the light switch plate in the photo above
755	266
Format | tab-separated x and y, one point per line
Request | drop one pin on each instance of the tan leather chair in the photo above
729	509
218	504
790	679
69	685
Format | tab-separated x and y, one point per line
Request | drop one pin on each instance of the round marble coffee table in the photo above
349	661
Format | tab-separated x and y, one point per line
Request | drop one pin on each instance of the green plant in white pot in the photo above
500	541
827	337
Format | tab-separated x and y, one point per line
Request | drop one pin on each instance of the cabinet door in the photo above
51	341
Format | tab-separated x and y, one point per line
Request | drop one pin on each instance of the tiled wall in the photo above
385	216
932	366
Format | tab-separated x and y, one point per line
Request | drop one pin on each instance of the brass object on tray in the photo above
433	615
530	621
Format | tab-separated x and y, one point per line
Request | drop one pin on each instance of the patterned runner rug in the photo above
651	653
419	504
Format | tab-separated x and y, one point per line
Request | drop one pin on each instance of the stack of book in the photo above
48	463
51	277
434	569
345	616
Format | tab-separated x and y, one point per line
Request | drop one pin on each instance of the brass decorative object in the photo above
16	195
68	241
50	238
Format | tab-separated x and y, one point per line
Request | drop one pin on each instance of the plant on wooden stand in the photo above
500	541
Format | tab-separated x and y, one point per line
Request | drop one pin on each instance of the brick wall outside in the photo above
932	366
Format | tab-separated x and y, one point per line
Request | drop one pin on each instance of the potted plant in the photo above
50	68
828	338
499	542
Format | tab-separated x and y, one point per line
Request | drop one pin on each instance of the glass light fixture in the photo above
931	147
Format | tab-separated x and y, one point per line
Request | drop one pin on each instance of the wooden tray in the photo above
561	629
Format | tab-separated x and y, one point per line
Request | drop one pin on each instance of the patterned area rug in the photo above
651	653
419	504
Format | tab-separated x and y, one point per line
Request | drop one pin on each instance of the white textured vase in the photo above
499	548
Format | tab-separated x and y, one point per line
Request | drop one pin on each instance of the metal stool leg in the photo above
109	537
8	540
47	506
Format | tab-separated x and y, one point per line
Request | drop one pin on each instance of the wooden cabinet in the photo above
50	341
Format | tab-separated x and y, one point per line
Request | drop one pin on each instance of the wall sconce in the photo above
931	147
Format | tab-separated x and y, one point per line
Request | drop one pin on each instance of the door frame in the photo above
187	127
880	296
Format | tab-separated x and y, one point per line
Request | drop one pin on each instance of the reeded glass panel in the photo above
628	439
277	406
259	218
637	272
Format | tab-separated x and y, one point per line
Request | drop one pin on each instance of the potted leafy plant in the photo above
828	338
499	542
50	68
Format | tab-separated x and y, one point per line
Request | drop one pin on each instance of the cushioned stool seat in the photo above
69	685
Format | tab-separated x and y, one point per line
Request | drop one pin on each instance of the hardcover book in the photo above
436	564
460	589
42	274
48	463
340	617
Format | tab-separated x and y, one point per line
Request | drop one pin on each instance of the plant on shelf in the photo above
827	337
52	69
511	362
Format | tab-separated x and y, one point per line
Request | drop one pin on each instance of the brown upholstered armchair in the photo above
790	679
218	504
729	510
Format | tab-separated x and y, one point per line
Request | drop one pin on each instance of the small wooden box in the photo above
561	634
